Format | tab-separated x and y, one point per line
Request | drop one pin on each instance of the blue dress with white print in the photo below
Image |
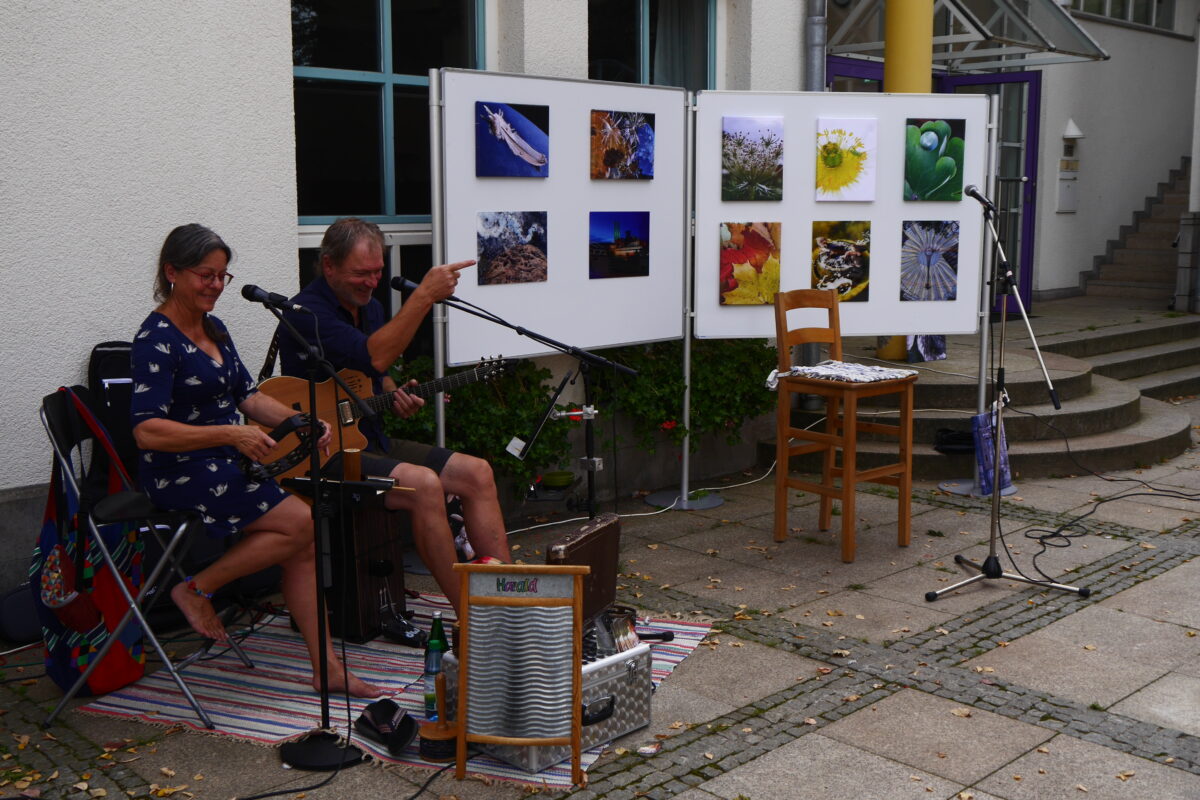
176	380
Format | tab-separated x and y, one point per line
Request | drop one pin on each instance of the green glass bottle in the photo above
435	646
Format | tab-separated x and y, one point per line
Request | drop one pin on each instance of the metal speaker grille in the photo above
520	671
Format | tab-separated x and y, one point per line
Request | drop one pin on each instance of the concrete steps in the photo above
1141	264
1111	382
1135	362
1163	431
1141	289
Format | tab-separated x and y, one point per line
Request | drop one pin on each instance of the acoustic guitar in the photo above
343	414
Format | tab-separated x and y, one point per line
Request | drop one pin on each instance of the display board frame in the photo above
799	113
568	304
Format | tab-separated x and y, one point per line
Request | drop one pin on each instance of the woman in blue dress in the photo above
188	387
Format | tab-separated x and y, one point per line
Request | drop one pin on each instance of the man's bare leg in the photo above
431	529
471	479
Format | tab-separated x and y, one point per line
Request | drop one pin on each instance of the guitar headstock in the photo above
494	367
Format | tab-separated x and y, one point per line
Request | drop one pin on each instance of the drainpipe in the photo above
1186	289
815	34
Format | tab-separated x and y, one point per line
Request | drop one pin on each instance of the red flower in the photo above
668	425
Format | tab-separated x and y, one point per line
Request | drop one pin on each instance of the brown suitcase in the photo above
598	545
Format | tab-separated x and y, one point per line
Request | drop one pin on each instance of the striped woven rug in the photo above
274	702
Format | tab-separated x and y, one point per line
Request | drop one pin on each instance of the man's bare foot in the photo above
199	613
337	682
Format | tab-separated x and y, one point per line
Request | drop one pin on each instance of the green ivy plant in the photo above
481	418
727	388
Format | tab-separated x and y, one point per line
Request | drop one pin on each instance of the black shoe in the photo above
385	723
400	630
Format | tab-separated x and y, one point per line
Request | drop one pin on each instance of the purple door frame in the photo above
873	70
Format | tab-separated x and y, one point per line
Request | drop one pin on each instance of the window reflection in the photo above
338	148
338	34
429	34
676	38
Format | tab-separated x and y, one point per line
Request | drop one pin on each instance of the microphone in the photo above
399	283
973	191
256	295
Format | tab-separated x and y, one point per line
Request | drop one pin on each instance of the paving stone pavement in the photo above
992	692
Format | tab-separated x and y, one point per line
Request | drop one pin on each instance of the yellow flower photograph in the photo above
846	155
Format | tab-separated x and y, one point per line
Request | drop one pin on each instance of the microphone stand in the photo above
586	358
990	569
321	749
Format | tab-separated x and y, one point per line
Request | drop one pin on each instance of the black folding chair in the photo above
71	434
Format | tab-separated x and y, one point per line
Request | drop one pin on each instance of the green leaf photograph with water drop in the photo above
933	159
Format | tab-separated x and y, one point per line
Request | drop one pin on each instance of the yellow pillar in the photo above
908	46
907	67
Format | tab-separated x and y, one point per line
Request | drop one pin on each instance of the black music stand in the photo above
321	749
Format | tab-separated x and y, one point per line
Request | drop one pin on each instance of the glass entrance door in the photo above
1016	164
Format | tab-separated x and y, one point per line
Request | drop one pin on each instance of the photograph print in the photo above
622	145
749	271
511	247
846	155
842	259
751	158
929	260
512	141
618	244
933	159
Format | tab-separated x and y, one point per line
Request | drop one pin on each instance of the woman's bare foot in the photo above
199	613
338	676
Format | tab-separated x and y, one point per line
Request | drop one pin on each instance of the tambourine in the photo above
301	425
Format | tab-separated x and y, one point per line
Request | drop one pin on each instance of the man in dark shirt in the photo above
353	331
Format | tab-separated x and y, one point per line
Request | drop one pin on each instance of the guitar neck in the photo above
382	402
430	388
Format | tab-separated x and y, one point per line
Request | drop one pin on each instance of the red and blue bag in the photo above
78	600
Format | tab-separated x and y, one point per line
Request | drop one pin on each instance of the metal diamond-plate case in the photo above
616	700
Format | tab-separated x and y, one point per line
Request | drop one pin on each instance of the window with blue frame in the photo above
664	42
361	88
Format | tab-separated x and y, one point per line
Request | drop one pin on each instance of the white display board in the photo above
857	119
558	297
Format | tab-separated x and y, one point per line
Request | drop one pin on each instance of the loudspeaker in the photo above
368	572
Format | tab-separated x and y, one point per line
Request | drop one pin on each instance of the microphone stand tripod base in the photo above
320	751
669	497
990	570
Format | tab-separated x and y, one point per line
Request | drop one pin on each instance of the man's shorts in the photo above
401	451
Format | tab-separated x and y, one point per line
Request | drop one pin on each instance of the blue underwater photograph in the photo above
512	141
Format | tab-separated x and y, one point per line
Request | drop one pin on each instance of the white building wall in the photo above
763	45
1135	111
121	120
539	37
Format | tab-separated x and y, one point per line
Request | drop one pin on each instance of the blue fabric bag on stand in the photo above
981	429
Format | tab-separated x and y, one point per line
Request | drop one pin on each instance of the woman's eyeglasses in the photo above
213	278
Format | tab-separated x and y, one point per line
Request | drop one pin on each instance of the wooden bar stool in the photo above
841	426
